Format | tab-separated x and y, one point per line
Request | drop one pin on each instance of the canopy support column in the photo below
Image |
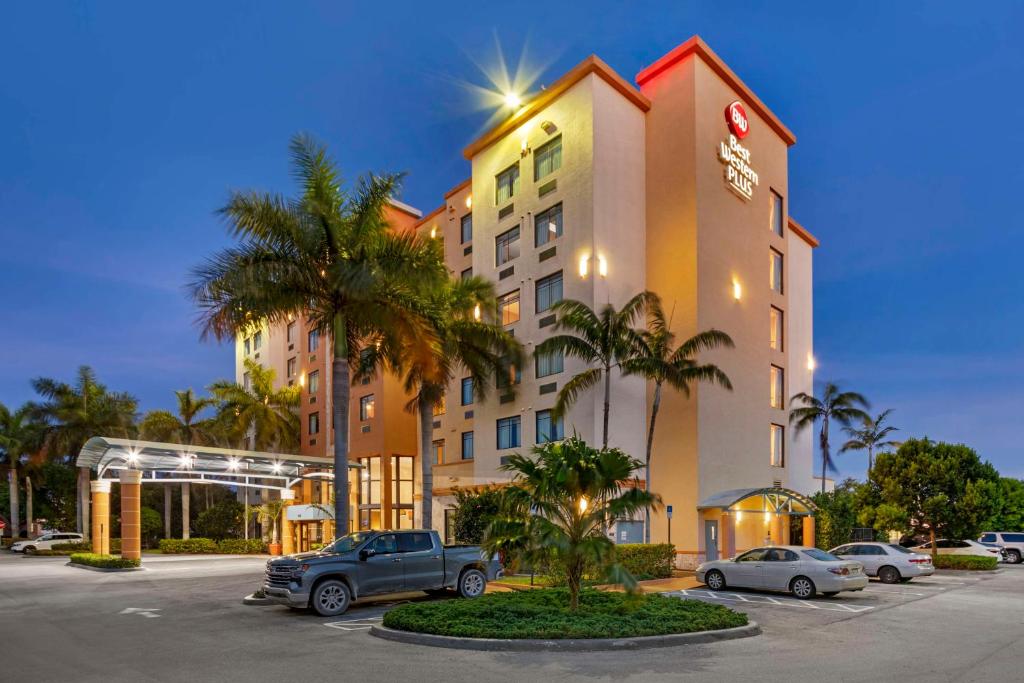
186	490
131	513
809	531
100	516
287	528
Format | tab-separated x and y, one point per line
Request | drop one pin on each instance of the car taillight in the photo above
842	571
921	560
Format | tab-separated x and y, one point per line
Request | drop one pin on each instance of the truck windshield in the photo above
349	541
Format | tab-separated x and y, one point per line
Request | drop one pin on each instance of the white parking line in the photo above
772	602
364	624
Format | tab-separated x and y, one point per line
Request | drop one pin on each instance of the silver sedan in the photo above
804	572
891	563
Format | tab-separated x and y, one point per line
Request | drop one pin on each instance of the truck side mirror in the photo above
366	553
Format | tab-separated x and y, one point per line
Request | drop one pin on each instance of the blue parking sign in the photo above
668	510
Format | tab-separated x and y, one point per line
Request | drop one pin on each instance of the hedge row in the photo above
647	560
971	562
104	561
203	546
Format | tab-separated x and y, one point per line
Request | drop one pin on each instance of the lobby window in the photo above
248	346
508	308
401	491
291	331
313	341
509	429
369	493
292	366
257	341
549	291
440	407
548	158
314	423
506	184
506	246
467	445
777	215
314	382
777	455
467	273
437	451
467	391
467	228
549	429
547	225
366	407
549	363
778	381
776	318
247	381
775	270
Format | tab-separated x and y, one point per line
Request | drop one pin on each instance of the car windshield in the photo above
901	549
820	555
348	542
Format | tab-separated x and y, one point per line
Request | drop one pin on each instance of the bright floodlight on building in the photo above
277	468
512	100
232	464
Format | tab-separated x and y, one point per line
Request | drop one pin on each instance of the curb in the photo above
568	645
251	599
103	569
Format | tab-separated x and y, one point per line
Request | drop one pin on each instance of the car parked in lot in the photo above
46	541
804	572
891	563
1012	544
944	546
368	563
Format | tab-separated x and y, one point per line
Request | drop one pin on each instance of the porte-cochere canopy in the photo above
772	499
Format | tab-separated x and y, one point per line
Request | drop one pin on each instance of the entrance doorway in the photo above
796	530
711	539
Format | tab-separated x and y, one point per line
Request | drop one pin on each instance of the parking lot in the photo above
182	619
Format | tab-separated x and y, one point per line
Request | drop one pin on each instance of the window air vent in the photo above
506	211
468	415
546	254
468	250
365	429
508	272
547	188
546	320
777	483
549	388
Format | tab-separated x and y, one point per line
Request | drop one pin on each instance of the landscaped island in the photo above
545	614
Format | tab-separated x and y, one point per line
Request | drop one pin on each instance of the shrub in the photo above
223	520
970	562
104	561
473	513
241	546
647	560
187	546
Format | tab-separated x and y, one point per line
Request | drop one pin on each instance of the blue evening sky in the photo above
125	124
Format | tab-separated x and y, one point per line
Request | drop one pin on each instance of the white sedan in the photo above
891	563
946	547
804	572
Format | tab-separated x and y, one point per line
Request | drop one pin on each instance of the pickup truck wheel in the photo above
472	583
331	598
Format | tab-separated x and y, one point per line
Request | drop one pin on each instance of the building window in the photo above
248	346
257	341
314	381
775	318
778	386
547	225
313	340
401	491
467	228
549	292
775	271
509	375
508	308
775	220
314	423
369	493
467	273
440	407
778	458
548	158
247	381
549	363
366	407
549	429
506	184
291	331
437	451
506	246
467	391
291	367
509	429
449	526
467	445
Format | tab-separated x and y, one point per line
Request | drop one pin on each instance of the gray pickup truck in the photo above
368	563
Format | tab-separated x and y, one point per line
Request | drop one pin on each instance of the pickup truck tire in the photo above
331	598
472	583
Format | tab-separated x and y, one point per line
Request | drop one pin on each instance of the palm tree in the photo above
834	404
270	513
269	415
602	340
329	255
73	414
461	342
185	427
660	361
20	436
869	436
557	506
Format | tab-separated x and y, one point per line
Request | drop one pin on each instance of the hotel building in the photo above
594	190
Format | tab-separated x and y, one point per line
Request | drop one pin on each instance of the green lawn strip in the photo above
544	614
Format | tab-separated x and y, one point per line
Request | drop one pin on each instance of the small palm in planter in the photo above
270	512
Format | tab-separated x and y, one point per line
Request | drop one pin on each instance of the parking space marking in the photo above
361	624
771	602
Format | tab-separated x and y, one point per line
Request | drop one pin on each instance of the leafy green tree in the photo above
185	427
834	404
1009	516
659	360
21	437
269	414
558	504
223	520
330	256
837	513
151	525
602	339
474	512
872	433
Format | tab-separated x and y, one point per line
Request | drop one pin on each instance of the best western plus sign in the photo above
742	179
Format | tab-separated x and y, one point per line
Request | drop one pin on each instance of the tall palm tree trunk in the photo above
28	507
607	401
824	452
425	411
655	405
340	391
84	522
12	486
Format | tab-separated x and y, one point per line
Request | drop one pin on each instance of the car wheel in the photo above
472	583
715	580
28	549
802	587
889	574
1013	556
331	598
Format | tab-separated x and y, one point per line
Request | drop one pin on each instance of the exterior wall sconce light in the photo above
433	231
602	266
811	363
548	127
469	202
524	147
476	312
584	265
737	289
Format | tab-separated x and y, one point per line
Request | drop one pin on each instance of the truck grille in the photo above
279	577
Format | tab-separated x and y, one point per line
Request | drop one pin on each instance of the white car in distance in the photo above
46	541
891	563
804	572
